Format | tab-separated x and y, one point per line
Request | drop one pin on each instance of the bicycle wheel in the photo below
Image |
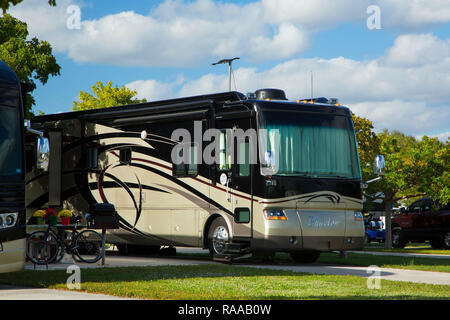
42	247
88	246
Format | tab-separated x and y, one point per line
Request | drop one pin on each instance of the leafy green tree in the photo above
105	96
4	4
413	169
30	59
368	147
368	143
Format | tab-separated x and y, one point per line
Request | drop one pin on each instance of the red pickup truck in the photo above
419	222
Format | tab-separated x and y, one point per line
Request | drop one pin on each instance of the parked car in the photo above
423	220
374	230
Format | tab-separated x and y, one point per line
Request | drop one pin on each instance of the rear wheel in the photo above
88	246
437	243
398	238
42	247
305	256
218	236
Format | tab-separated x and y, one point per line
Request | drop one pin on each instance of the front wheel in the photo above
398	238
305	256
218	237
446	240
88	246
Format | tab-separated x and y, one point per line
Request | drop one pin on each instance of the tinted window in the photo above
10	141
415	206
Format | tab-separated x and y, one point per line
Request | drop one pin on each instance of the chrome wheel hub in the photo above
219	238
395	238
447	239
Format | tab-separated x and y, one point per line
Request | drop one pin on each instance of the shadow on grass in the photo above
237	282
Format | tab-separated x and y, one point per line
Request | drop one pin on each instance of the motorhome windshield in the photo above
10	144
308	144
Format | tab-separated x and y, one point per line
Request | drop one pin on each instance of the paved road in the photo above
112	260
400	254
19	293
386	273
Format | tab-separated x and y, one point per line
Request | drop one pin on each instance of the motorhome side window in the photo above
224	158
243	159
92	158
125	156
189	169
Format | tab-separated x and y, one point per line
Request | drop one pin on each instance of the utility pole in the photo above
230	70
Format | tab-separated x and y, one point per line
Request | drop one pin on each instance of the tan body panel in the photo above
12	257
170	213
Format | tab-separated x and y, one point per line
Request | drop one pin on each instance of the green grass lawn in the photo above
355	259
218	282
424	248
411	263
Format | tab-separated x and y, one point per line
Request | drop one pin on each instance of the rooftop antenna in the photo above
312	86
229	61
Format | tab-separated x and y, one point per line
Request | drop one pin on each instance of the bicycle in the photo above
45	247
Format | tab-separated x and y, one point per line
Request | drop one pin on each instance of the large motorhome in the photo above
301	194
12	173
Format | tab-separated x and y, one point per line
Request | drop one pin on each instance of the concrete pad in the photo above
401	254
114	260
442	278
20	293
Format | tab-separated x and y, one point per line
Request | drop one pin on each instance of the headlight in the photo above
8	220
274	214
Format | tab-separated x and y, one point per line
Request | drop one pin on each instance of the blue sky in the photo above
397	76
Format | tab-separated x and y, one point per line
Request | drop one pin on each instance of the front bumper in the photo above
314	229
12	257
320	243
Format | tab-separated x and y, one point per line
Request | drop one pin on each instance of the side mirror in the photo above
379	165
42	153
402	210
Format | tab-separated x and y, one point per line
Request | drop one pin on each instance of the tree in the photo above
30	59
4	4
413	169
105	96
368	147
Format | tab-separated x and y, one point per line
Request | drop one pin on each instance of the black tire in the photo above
218	235
122	249
88	246
398	238
130	249
437	243
169	251
446	240
42	247
305	256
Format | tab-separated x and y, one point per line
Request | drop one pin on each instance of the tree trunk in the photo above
388	209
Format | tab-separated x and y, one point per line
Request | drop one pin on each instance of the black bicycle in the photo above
45	247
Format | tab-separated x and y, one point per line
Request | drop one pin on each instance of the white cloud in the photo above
405	116
406	89
181	32
155	90
413	50
410	97
414	13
